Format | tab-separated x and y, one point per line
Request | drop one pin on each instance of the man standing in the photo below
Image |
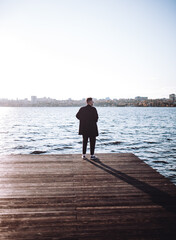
88	117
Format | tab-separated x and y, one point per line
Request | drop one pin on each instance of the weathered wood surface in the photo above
65	197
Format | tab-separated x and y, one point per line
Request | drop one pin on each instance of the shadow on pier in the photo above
157	196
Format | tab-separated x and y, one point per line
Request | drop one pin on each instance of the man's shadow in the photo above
157	196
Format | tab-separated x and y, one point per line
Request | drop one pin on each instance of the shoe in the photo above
84	157
93	157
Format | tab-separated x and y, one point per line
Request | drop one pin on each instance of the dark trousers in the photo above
92	144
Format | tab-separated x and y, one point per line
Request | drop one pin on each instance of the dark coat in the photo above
88	117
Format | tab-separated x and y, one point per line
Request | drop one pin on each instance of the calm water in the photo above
150	133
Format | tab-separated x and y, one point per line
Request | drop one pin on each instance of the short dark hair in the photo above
88	99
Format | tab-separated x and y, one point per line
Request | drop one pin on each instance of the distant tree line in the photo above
47	102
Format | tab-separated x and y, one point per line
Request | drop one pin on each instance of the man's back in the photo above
88	118
88	121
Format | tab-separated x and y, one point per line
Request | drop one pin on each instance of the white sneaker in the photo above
84	157
93	157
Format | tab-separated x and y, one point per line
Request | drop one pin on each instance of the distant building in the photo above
172	97
138	98
33	99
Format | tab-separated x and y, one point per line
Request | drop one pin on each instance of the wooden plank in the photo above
65	197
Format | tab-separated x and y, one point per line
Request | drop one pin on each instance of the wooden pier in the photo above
65	197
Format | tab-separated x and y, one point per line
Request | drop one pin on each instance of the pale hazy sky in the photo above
80	48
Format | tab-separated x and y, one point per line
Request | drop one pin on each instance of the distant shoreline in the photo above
63	106
48	102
